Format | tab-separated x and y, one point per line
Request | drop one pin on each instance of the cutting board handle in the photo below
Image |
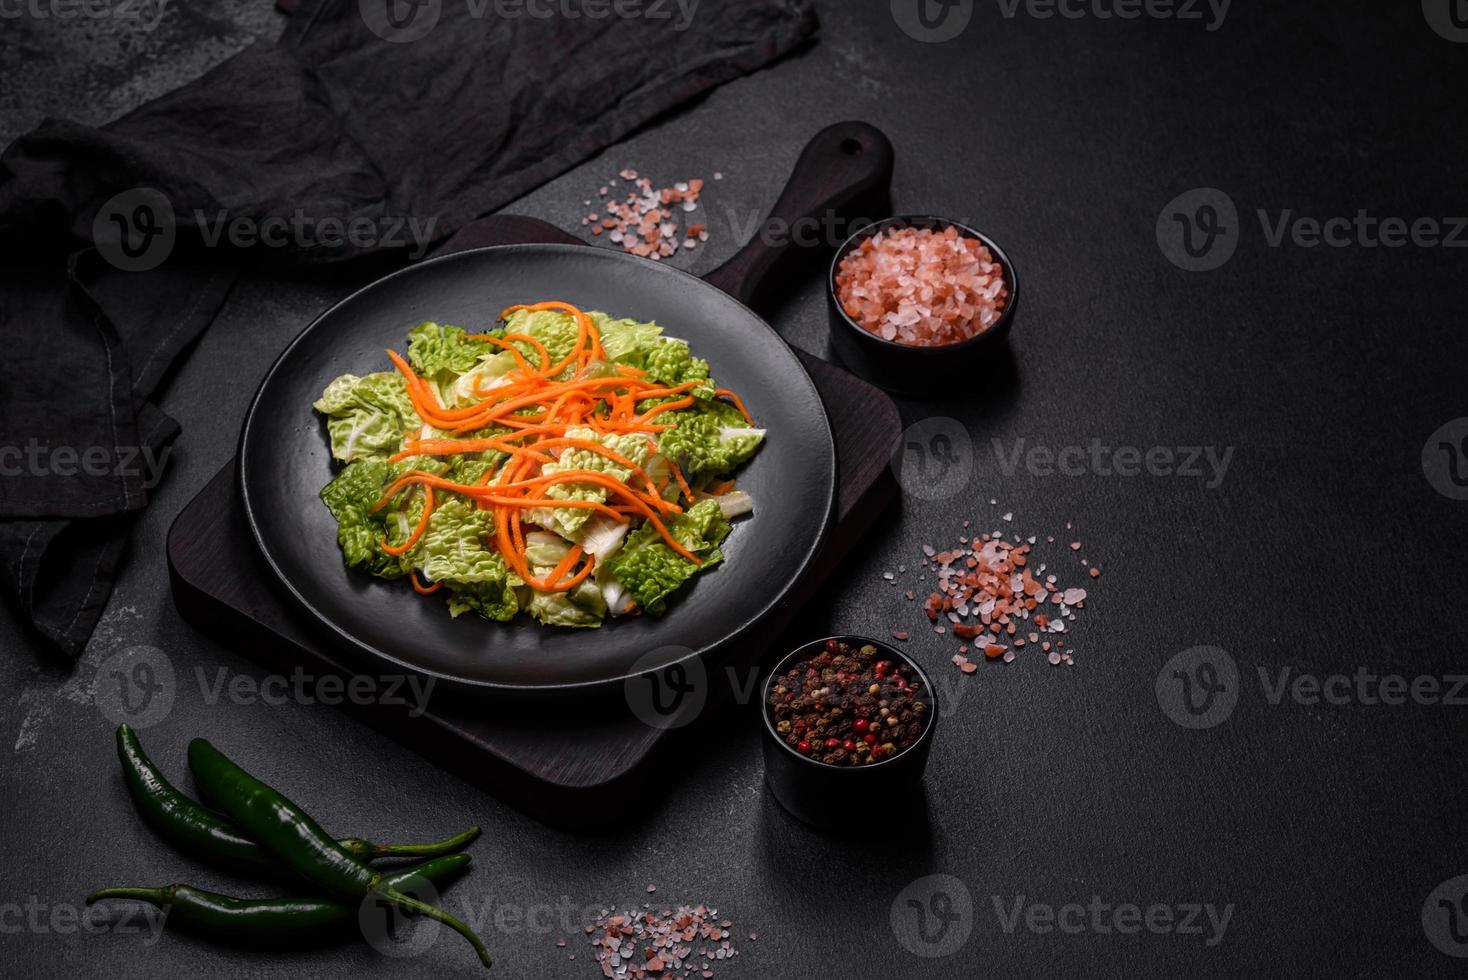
842	164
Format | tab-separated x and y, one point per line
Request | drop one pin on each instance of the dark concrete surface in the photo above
1322	830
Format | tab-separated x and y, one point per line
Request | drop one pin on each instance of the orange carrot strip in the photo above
682	483
664	392
565	564
726	393
406	546
539	348
455	447
657	410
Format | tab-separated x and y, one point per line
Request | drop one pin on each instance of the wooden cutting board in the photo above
587	766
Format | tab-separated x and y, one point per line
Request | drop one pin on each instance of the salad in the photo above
566	465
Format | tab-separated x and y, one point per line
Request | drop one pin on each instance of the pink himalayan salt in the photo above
923	288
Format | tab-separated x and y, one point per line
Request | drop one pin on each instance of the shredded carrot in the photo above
407	546
682	483
726	393
664	407
422	589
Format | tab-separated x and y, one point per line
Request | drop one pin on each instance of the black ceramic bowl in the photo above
901	367
826	795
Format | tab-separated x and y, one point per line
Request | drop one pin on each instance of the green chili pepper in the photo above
289	831
222	917
208	834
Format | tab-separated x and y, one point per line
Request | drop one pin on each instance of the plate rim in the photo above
493	687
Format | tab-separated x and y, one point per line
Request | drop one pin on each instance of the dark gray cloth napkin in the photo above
371	127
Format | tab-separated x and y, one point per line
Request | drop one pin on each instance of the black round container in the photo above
903	368
824	795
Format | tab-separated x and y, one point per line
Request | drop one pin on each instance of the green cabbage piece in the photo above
625	340
452	551
545	550
366	417
582	606
652	571
359	532
709	438
471	467
567	521
671	362
436	350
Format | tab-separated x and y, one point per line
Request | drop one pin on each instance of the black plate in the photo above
285	460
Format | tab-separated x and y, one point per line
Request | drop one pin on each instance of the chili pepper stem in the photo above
368	851
423	908
156	896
